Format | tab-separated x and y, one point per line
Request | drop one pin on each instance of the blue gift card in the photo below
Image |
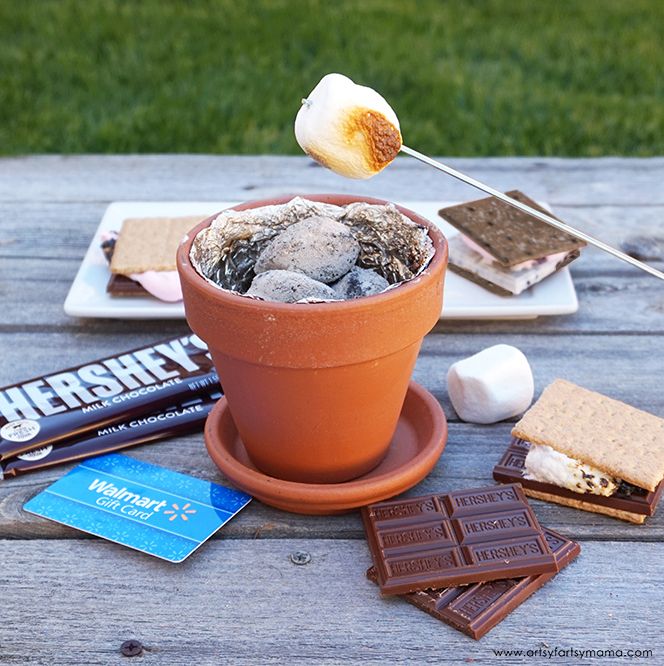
149	508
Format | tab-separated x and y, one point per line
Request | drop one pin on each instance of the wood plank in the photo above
601	181
619	365
467	462
49	208
244	602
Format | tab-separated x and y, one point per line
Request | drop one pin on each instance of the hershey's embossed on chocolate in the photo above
466	536
476	609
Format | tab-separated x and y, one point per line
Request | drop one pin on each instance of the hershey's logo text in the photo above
421	535
508	552
479	525
88	385
403	509
479	598
492	497
432	563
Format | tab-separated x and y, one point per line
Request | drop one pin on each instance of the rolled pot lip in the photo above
196	280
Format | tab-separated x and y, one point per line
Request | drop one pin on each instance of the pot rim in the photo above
196	280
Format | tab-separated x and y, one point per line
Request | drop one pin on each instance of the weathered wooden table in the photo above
68	598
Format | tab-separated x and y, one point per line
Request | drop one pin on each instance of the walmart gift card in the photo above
139	505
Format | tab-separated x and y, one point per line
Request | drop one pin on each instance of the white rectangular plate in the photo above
463	299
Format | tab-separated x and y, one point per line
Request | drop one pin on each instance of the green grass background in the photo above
482	77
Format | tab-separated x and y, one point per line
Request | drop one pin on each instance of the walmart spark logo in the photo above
176	512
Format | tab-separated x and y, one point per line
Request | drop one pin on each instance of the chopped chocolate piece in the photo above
466	536
108	246
628	489
476	609
121	285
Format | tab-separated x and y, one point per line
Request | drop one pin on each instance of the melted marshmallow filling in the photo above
487	258
545	465
164	285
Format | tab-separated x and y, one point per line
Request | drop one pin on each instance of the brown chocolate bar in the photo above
141	429
476	609
628	498
466	536
64	405
121	285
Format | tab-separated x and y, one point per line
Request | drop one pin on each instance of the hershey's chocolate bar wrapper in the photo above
63	405
168	422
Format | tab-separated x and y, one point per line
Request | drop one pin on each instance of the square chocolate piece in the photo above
466	536
476	609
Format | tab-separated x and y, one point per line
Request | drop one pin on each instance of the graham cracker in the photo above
508	234
150	243
637	518
618	439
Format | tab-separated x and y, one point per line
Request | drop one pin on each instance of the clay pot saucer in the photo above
417	444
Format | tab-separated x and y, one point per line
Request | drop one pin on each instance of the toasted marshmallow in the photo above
348	128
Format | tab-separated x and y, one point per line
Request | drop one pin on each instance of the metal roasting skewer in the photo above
531	211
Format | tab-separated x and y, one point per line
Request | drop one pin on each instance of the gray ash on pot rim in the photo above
394	246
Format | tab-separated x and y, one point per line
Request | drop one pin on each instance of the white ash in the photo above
359	282
226	252
547	465
289	287
319	247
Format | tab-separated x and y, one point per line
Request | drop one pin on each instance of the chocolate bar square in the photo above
466	536
476	609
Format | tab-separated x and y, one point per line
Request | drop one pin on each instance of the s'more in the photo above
142	256
504	250
582	449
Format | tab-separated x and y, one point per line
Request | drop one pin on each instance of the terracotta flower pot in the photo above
315	390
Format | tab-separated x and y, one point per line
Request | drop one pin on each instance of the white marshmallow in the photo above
492	385
348	128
